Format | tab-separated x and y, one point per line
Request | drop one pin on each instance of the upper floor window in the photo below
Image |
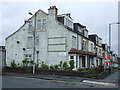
100	51
91	47
44	24
29	41
84	45
30	26
39	25
73	42
96	51
37	40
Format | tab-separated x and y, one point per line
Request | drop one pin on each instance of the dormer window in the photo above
68	23
100	40
66	20
80	30
105	46
85	33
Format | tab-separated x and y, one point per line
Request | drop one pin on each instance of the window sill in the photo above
30	31
29	47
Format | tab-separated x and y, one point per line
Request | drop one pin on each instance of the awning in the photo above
100	57
75	51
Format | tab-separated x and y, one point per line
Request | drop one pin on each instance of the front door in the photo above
83	61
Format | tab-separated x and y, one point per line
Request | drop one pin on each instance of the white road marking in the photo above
100	83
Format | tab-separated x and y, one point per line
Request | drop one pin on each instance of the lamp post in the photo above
110	40
34	49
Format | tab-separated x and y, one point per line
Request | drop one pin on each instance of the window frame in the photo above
29	56
44	24
74	42
84	45
28	42
39	23
30	24
37	40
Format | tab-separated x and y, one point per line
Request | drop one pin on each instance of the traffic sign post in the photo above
107	60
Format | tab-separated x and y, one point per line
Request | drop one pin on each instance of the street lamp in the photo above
34	40
110	39
110	34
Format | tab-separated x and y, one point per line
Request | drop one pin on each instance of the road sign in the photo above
107	60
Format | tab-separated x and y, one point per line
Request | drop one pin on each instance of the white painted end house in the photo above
56	39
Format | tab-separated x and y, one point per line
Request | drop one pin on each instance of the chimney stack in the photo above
52	11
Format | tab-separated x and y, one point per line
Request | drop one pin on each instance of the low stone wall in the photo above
62	72
58	72
10	69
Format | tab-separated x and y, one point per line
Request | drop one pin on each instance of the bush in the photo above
65	66
52	67
31	62
82	69
61	65
91	71
44	66
25	62
71	64
56	67
13	64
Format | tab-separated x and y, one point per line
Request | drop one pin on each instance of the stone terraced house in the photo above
53	38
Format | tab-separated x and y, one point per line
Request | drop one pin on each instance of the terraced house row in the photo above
51	38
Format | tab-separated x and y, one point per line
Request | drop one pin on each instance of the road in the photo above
23	82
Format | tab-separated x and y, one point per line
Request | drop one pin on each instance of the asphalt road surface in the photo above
22	82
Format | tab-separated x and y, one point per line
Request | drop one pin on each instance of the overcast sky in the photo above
95	15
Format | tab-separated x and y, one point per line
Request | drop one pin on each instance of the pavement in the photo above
111	80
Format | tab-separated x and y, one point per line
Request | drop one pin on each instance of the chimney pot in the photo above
51	7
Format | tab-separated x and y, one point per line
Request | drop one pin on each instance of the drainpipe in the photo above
77	40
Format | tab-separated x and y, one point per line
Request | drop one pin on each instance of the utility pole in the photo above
34	49
110	43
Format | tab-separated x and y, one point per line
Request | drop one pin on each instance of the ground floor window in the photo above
79	61
28	56
71	57
76	61
88	61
